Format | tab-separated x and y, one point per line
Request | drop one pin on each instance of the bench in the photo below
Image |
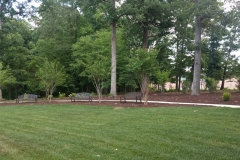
26	98
131	95
82	95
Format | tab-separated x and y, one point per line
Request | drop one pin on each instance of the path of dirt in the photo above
204	98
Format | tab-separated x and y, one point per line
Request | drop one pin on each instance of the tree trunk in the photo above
197	56
1	16
114	61
0	92
145	78
225	68
163	88
144	88
179	84
176	65
223	78
176	83
0	26
145	38
223	83
99	96
99	91
0	54
113	89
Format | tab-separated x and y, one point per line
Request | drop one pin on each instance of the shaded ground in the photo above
205	98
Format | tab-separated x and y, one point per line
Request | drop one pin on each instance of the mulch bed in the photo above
204	98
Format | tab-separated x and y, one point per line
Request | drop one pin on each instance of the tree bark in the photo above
0	25
223	78
145	78
114	61
144	88
113	90
179	84
225	67
0	42
176	88
197	56
145	38
0	92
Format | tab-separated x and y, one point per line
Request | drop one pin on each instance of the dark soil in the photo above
204	98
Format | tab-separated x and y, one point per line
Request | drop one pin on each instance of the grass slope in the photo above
108	133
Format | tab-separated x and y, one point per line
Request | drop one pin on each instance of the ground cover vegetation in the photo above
97	45
84	132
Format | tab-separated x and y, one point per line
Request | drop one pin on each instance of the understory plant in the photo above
61	95
211	84
226	96
142	65
50	74
186	86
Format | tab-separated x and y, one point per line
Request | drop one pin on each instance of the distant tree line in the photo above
115	46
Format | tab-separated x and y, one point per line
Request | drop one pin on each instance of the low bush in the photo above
71	95
186	86
226	96
211	84
61	95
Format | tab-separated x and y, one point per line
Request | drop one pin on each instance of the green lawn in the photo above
70	132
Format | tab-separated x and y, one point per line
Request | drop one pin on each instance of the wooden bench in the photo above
131	96
82	95
26	98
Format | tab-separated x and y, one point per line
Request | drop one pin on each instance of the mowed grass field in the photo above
71	132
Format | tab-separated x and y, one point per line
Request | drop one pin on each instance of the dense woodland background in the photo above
115	46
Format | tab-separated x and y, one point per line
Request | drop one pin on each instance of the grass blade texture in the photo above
52	132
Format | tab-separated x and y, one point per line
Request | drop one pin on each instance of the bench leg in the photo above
90	99
138	99
124	99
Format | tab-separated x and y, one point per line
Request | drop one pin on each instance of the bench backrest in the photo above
27	96
133	95
82	95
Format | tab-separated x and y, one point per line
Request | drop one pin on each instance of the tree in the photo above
182	39
21	8
141	65
146	22
59	28
213	52
197	54
15	49
231	41
96	69
50	74
92	60
162	78
6	78
108	8
204	11
113	90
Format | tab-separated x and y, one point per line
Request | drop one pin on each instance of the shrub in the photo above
61	95
226	96
185	86
211	84
238	86
71	95
110	95
152	89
